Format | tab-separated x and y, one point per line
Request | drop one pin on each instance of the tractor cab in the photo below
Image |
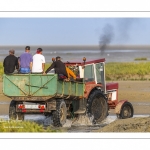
95	72
91	72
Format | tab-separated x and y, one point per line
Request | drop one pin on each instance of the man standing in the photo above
38	62
10	63
59	67
25	61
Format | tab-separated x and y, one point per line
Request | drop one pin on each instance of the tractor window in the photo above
89	73
100	72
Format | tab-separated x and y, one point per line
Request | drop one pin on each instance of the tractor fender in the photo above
119	106
89	89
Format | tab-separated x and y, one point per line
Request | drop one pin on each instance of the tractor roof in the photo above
86	62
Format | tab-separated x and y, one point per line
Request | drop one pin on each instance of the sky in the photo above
74	31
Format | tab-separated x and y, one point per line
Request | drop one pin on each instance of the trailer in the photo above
47	94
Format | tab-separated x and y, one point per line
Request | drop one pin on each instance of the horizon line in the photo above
86	47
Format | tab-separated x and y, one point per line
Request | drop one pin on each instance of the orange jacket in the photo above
70	73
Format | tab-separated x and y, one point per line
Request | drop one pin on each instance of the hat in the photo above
27	47
12	51
39	50
58	57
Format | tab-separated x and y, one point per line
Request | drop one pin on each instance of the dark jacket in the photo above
10	63
59	67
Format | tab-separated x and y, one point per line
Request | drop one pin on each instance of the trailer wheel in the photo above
60	114
126	111
97	106
12	112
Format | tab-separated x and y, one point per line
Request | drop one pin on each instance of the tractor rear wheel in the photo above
13	115
126	111
60	114
97	106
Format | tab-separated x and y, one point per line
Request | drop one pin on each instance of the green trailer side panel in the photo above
29	84
70	88
73	88
37	85
60	89
67	88
80	89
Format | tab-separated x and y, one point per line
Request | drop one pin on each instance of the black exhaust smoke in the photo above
106	37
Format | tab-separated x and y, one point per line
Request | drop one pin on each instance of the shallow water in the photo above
77	55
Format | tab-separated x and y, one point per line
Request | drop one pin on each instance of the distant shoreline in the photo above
75	55
81	47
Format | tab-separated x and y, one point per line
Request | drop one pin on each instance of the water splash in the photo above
83	120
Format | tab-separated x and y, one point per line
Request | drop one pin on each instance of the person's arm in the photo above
31	62
17	64
43	67
49	68
4	63
31	66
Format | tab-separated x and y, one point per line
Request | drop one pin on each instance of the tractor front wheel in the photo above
126	111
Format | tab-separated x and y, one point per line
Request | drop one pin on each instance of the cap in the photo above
27	47
58	57
39	50
12	51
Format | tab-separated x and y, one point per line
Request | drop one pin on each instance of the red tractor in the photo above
99	96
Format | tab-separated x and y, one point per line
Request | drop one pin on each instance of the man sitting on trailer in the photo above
59	67
10	63
38	62
25	61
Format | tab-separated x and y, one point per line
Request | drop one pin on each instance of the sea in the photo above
74	55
